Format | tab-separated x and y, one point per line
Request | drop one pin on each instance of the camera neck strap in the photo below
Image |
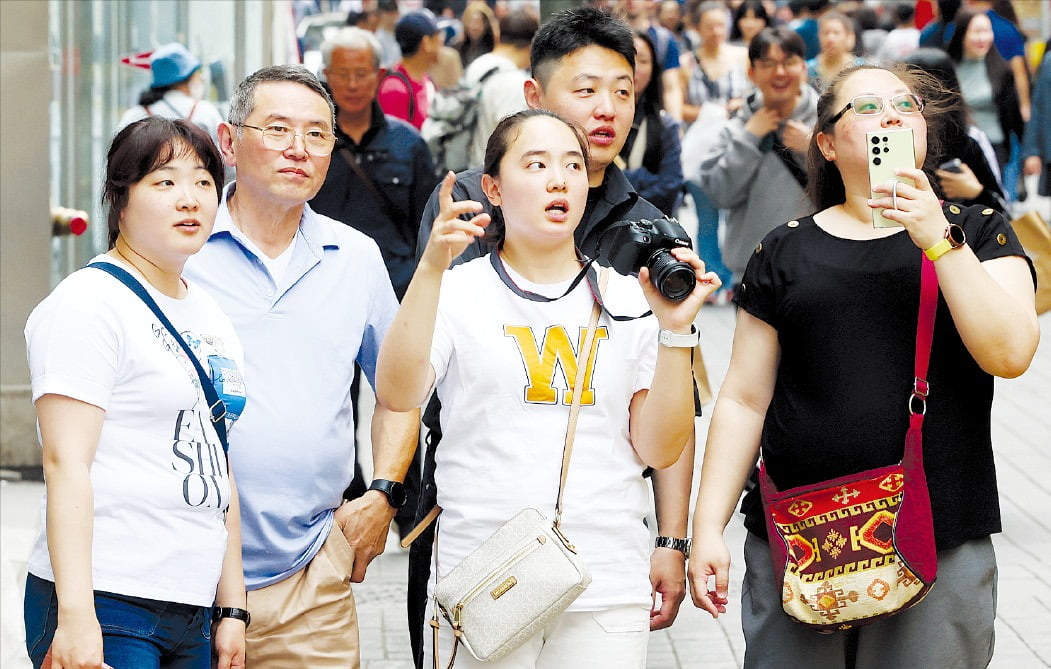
587	271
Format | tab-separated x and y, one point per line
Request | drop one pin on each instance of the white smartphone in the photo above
889	150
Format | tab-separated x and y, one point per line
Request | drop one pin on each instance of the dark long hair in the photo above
504	135
470	50
825	183
148	145
995	64
152	95
648	106
758	9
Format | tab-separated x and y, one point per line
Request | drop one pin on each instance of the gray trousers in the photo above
951	628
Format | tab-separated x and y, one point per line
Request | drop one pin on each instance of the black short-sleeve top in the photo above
845	313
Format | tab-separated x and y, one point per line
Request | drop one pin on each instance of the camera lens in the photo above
673	278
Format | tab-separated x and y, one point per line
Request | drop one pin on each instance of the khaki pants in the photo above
308	620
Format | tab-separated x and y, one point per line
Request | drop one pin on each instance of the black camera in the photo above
628	246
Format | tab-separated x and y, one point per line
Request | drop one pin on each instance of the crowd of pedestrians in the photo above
224	519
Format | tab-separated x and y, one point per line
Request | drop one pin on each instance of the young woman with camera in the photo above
497	338
822	365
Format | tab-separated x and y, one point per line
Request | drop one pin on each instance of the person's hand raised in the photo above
763	122
450	234
796	136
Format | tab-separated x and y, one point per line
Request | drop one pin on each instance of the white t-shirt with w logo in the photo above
504	369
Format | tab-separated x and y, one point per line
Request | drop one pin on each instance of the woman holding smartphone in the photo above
822	364
141	523
491	336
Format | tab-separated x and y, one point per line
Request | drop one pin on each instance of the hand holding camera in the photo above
673	278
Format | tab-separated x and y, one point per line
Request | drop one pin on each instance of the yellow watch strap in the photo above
938	250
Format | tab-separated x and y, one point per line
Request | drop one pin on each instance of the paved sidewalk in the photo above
1021	434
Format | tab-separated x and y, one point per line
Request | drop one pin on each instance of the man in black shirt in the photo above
381	171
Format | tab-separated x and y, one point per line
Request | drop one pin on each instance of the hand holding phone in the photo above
888	151
957	181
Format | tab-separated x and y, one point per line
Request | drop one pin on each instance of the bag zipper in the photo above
533	544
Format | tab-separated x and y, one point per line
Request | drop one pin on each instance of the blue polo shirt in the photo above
292	450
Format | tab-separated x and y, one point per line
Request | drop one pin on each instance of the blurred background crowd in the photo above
107	63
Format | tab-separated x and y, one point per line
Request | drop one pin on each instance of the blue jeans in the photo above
708	235
136	633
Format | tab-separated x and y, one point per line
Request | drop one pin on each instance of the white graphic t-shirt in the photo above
159	477
503	367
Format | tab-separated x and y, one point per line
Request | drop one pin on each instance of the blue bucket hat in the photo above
171	64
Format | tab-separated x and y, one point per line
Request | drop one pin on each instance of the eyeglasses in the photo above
350	77
279	137
790	63
870	105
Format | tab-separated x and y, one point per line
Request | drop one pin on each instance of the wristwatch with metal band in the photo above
673	340
954	239
681	545
394	491
220	612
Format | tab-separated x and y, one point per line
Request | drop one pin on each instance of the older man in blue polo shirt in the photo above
309	297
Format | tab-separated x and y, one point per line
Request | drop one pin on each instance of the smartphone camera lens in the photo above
876	161
875	151
875	140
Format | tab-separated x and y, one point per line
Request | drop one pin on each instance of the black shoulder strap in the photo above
400	76
586	271
388	208
215	405
493	70
785	154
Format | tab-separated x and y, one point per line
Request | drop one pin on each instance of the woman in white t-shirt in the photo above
141	522
491	336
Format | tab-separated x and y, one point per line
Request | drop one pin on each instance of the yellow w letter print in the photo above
540	361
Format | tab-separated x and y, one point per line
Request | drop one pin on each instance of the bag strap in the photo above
574	411
215	405
924	339
578	390
385	204
355	166
403	78
597	287
785	155
435	621
917	403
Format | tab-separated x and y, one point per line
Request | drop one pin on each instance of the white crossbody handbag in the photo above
524	575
